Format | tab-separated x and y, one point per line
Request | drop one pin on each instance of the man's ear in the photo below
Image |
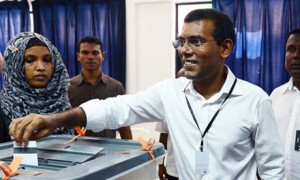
77	56
103	55
227	46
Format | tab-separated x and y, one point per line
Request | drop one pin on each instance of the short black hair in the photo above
224	28
90	39
293	31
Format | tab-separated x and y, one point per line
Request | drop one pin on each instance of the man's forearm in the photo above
125	132
70	118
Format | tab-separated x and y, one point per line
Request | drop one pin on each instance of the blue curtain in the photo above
14	18
65	22
261	29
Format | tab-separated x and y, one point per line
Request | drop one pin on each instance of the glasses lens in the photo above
177	44
194	42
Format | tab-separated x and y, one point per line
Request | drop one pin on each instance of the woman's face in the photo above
38	66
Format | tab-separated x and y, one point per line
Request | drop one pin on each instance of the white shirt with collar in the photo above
169	159
242	139
286	106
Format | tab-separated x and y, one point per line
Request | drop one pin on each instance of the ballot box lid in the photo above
85	158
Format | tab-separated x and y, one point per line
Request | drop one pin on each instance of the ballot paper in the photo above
29	153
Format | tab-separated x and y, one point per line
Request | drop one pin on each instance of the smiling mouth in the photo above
189	62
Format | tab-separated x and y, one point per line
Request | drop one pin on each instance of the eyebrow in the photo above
191	37
33	55
290	45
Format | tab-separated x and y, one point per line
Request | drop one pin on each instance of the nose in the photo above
40	65
186	51
90	56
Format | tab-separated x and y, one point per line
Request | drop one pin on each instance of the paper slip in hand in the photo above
29	153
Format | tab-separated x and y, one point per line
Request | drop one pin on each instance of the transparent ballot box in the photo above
87	158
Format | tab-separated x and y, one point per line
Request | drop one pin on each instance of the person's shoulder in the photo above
172	84
279	90
110	80
76	80
113	84
180	80
249	88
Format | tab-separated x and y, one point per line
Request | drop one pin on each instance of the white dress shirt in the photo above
170	158
242	139
286	105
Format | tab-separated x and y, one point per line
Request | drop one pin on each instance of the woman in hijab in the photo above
36	80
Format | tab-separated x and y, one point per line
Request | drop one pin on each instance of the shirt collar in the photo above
225	88
289	87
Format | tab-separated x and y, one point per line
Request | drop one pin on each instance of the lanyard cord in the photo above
213	118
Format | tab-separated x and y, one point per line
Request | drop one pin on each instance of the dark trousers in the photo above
169	177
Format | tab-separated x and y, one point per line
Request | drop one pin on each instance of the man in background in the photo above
286	106
92	83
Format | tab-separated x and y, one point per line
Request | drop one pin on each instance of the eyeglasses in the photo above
193	43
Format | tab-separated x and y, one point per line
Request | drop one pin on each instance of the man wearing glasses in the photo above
221	127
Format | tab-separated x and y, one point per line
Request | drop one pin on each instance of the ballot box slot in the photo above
43	165
63	156
73	152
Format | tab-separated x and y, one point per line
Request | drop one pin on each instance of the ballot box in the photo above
88	158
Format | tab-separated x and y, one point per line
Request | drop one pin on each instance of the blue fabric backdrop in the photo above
65	22
14	18
261	29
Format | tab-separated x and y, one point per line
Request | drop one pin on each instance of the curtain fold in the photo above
65	22
261	29
14	18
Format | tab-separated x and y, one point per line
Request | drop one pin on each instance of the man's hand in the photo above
30	127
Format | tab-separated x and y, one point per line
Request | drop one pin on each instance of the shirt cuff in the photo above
95	114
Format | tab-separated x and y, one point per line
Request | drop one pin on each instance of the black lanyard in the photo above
213	118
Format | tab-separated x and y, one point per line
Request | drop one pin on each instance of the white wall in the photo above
150	55
149	43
